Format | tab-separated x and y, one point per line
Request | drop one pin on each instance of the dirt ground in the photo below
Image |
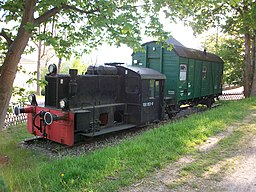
236	173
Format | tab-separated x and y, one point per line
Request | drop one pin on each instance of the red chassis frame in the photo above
61	131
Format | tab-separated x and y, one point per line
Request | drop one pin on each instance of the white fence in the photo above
12	119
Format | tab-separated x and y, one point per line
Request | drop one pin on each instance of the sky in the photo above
107	54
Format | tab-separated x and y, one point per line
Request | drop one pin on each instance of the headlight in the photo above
63	103
52	69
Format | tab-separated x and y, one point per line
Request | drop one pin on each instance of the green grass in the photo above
113	167
216	163
221	152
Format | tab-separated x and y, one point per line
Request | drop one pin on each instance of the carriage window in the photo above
183	72
151	89
204	72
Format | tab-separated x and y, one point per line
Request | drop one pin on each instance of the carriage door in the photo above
150	100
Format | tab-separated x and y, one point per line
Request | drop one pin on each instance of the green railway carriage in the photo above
192	76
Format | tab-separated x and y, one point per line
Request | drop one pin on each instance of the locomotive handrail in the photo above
134	104
104	105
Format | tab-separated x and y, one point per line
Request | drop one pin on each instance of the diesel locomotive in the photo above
106	99
113	97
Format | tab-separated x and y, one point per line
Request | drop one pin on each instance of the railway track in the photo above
56	150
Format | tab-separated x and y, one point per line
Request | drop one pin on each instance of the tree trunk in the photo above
253	91
247	76
59	64
38	74
12	59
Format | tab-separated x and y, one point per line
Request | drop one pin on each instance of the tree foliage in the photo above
236	18
232	53
77	64
230	49
85	23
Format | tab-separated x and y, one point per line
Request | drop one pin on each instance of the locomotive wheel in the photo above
171	115
171	111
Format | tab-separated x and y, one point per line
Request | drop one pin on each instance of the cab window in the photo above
132	86
157	88
151	89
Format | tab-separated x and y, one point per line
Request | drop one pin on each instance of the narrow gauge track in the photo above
56	150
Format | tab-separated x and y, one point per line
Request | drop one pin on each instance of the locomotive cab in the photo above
143	92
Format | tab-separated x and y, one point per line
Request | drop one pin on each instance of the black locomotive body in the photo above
106	99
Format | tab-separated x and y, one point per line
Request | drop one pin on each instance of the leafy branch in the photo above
6	37
44	17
